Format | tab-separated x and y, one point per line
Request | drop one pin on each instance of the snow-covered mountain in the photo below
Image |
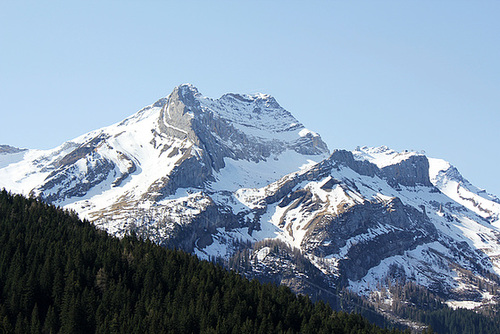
182	156
240	178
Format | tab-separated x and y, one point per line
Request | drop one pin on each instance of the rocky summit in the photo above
240	179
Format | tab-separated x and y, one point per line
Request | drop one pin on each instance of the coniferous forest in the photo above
61	275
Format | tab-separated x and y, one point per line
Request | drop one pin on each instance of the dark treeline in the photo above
408	300
61	275
411	301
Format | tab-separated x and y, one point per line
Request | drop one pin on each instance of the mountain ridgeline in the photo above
240	181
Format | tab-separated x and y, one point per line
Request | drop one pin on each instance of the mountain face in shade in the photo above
240	175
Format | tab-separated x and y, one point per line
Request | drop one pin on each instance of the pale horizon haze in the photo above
416	75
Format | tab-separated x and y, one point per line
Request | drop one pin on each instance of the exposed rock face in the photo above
206	124
76	173
201	229
346	158
176	117
411	172
240	177
67	182
398	228
359	221
390	228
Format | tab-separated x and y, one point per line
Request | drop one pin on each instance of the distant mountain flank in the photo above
6	149
240	180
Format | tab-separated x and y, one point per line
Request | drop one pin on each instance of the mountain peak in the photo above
193	138
187	89
236	127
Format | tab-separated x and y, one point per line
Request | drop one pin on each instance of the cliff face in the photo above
413	171
365	221
236	127
241	179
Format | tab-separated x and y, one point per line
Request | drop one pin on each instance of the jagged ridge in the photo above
212	176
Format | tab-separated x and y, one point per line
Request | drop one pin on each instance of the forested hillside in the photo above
61	275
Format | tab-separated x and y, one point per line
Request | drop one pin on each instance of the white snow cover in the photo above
381	156
449	181
241	174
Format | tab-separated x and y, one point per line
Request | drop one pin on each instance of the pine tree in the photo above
51	323
35	321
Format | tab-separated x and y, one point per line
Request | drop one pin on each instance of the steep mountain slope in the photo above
175	160
367	219
239	178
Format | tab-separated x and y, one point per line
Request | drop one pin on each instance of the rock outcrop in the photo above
240	177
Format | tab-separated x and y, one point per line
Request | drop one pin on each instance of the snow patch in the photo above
381	156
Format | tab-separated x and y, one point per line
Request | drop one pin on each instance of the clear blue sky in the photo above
422	75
